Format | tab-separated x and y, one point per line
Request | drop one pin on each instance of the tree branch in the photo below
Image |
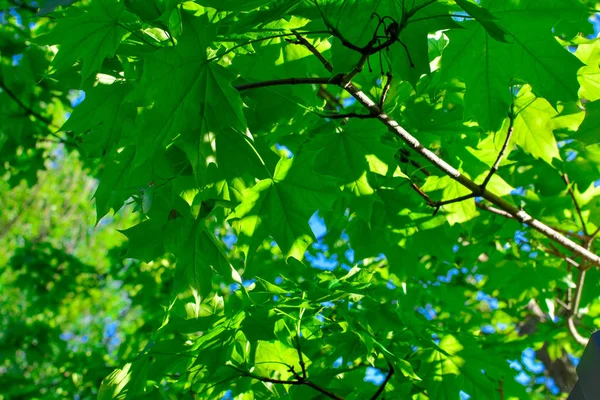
507	208
385	382
519	214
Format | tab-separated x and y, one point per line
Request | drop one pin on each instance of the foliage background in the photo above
262	231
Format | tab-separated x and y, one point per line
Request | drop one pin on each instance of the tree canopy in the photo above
301	199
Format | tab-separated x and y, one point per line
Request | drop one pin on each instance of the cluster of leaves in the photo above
228	125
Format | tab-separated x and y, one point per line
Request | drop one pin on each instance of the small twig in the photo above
385	382
246	43
334	80
491	172
422	194
331	101
298	346
501	389
593	235
439	204
576	299
264	378
573	310
410	61
554	251
28	110
137	35
494	168
575	203
302	41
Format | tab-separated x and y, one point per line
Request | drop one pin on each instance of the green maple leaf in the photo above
589	131
145	240
589	75
348	151
199	256
534	125
105	112
186	85
90	36
485	18
235	5
281	206
234	153
114	177
489	67
276	356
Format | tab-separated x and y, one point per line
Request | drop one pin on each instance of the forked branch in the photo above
412	142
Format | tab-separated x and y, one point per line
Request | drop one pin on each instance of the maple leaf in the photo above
90	36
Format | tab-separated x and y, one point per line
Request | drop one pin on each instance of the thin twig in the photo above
302	41
575	203
28	110
494	168
554	251
573	310
439	204
501	389
137	35
576	299
331	101
264	378
262	39
385	382
334	80
422	194
298	346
